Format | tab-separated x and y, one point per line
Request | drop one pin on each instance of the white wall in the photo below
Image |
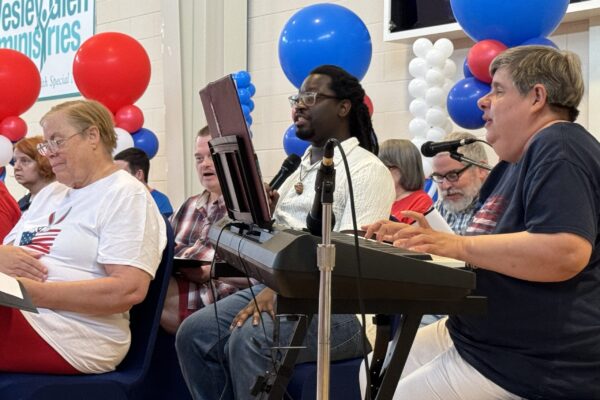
142	20
170	104
386	82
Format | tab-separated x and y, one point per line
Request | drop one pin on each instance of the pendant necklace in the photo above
299	186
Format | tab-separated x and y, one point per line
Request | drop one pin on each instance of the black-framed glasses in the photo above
53	145
309	99
451	176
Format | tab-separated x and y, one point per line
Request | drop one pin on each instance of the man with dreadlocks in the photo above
328	105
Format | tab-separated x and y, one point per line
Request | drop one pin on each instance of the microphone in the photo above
288	167
325	180
430	149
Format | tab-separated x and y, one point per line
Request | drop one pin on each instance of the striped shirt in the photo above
458	221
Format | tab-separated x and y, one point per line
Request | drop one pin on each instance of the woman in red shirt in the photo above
403	159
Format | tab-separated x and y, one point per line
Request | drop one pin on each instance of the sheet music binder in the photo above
24	304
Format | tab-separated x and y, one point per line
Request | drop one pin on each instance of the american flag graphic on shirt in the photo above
42	238
485	220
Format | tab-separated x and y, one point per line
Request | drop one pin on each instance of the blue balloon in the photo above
246	110
248	119
250	105
462	103
292	144
466	70
539	41
508	21
242	79
144	139
324	34
252	89
244	95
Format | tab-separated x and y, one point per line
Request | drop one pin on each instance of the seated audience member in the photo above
100	237
459	183
189	289
532	245
32	170
329	105
403	159
9	211
137	163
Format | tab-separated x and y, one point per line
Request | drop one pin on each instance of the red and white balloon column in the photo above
20	86
114	69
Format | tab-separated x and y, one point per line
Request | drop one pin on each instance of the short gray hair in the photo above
558	71
474	151
405	156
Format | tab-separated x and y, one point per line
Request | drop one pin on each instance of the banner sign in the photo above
49	32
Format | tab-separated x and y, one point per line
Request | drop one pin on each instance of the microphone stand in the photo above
326	262
459	157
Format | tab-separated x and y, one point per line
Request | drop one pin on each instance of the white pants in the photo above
434	370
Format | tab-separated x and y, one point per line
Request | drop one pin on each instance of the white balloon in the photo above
421	46
434	77
449	69
6	150
448	126
447	86
418	127
418	142
434	96
435	116
417	87
124	140
417	67
427	165
418	108
435	58
435	134
445	46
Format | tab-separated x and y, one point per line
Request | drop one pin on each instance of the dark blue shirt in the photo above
540	340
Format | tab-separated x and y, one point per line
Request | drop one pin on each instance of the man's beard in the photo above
468	195
305	134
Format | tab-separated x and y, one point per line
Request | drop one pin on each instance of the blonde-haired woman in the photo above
100	235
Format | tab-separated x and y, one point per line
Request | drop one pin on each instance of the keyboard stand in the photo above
384	382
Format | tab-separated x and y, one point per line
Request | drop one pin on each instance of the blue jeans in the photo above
246	350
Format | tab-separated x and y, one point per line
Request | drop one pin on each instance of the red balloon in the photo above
20	83
14	128
112	68
369	104
481	56
129	118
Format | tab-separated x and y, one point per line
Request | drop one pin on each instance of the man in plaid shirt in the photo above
459	183
189	288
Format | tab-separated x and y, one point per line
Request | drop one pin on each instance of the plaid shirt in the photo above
458	221
191	224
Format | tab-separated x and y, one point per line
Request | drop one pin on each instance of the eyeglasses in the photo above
309	99
52	146
451	176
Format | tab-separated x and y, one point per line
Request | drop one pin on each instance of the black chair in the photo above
127	381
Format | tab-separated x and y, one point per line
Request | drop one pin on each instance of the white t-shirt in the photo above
111	221
372	183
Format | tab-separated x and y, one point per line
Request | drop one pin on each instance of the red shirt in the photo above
9	212
418	201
